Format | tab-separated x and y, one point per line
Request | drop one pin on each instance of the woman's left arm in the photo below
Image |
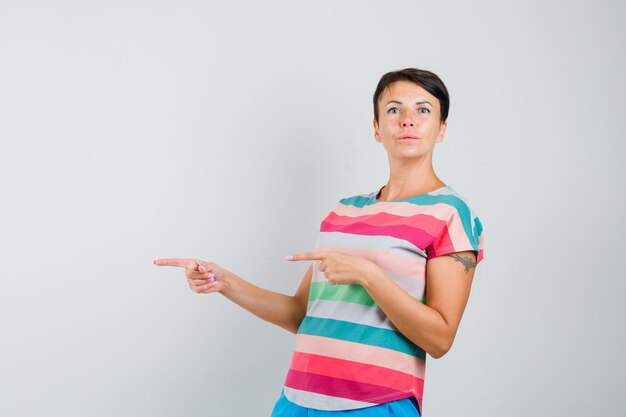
431	326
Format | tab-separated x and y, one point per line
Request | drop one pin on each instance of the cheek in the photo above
385	131
433	129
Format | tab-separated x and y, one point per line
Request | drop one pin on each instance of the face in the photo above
409	121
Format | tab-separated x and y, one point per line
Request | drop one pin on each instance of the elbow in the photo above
291	329
292	316
437	351
436	354
291	326
296	320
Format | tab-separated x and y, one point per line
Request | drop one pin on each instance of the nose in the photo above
407	122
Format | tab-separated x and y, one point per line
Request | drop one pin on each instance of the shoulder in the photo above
461	226
447	197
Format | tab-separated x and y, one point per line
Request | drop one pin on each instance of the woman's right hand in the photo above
283	310
202	277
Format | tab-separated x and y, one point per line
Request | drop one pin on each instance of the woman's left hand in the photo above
340	268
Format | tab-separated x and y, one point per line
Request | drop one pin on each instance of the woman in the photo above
363	313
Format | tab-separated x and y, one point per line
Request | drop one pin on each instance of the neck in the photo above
408	178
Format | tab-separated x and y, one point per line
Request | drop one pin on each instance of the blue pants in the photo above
400	408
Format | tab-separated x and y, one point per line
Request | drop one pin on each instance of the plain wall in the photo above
132	130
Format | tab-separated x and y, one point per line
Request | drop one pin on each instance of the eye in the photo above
423	110
393	110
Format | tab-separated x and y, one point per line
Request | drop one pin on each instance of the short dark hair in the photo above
427	80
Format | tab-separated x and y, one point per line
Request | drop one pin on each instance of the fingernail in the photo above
201	268
289	258
213	284
211	275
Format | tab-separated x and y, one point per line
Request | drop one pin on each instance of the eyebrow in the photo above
417	103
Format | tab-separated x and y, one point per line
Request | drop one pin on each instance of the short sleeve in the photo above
460	230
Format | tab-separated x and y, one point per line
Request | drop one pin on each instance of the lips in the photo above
408	136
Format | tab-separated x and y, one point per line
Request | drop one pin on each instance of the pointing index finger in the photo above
307	256
185	263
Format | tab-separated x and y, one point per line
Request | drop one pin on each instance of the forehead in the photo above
407	92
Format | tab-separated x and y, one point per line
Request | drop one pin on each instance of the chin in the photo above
410	155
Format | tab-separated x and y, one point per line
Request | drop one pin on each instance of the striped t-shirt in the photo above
348	354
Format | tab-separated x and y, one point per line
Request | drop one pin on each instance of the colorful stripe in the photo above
381	243
358	333
348	293
321	290
417	237
427	223
322	402
350	312
364	392
352	371
373	355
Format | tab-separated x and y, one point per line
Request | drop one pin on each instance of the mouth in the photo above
408	136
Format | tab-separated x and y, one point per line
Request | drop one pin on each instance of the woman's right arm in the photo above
280	309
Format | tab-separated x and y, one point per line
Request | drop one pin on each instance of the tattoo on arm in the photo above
467	262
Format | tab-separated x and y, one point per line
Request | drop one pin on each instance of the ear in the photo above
376	133
442	131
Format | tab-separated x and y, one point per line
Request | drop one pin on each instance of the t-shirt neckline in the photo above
376	200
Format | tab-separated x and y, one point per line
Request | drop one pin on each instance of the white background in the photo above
132	130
